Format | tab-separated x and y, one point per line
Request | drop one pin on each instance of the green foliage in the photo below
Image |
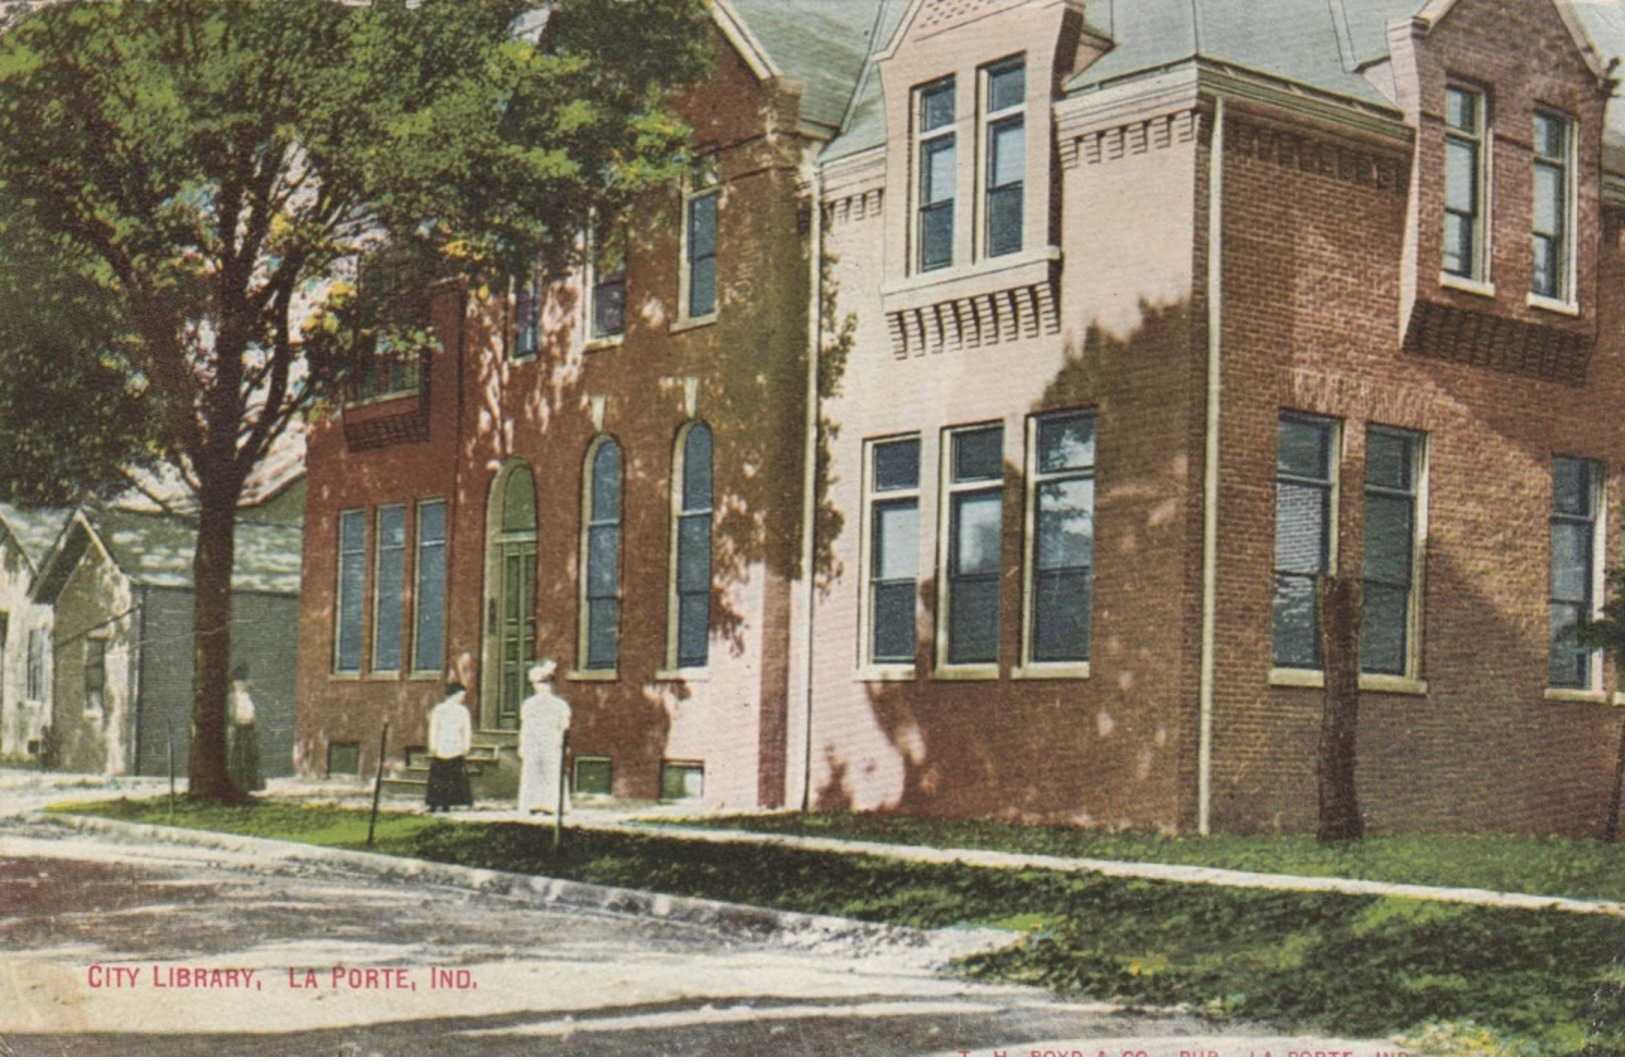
1607	631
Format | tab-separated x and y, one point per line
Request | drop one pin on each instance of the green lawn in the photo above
1450	977
1576	868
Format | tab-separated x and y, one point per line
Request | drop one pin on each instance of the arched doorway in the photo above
510	594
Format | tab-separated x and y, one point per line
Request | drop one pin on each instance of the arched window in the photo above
600	647
691	560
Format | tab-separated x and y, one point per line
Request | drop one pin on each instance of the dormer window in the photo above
1465	120
1004	136
1552	270
936	155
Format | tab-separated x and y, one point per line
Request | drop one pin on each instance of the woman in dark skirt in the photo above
243	750
451	734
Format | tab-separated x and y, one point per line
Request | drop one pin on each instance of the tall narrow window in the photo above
601	563
527	314
608	262
1464	120
1393	471
38	650
1004	136
975	527
692	568
937	157
96	674
1576	504
429	596
1554	138
389	580
894	549
1060	562
1304	482
352	585
700	248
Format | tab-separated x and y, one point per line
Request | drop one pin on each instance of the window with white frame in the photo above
96	675
1004	163
937	164
691	531
606	261
39	651
1551	269
974	495
894	550
389	585
1466	134
1305	489
699	274
1393	491
1061	536
1576	511
601	558
429	595
527	314
352	585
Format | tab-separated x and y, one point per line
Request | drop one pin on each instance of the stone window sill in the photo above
1553	305
1482	288
887	672
967	672
1577	696
1041	671
1393	683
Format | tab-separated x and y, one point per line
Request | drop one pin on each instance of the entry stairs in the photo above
493	768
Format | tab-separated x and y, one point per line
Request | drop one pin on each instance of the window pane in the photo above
694	554
937	236
1550	135
603	560
1389	460
978	455
351	588
702	288
894	621
429	646
1389	539
1461	176
1006	86
976	528
897	540
1305	449
1004	214
609	306
389	611
1061	616
937	106
1009	153
1383	629
940	172
1066	442
697	468
973	621
606	482
1297	626
1548	199
1300	528
693	634
1461	110
603	626
702	226
1544	264
1571	561
1065	527
519	502
1569	663
897	465
1458	245
1571	486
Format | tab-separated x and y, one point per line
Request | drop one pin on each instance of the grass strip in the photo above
1454	978
1538	865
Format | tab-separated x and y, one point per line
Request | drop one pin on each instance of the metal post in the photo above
169	740
377	784
558	809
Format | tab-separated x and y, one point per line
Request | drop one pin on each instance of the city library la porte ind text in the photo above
298	978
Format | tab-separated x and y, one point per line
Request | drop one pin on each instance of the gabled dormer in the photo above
972	251
1502	245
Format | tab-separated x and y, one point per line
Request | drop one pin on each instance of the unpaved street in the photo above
149	948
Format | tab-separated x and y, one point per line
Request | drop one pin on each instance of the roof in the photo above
820	44
153	549
35	529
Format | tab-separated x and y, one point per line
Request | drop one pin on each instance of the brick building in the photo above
1133	318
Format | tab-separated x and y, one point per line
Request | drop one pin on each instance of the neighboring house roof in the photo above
820	44
156	549
36	529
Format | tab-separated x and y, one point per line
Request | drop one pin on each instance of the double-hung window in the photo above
937	163
691	566
527	314
389	583
352	585
699	280
894	550
1550	275
1466	126
1061	544
1576	510
1305	496
1004	139
601	559
429	597
607	292
1393	475
975	500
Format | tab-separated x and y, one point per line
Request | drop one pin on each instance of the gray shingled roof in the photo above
156	550
823	44
35	529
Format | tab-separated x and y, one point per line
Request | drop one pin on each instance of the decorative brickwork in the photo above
1108	145
981	320
1298	150
1470	337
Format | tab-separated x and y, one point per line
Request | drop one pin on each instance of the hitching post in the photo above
377	784
558	810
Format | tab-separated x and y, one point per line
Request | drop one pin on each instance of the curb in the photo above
761	923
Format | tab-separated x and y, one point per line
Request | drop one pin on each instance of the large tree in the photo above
196	185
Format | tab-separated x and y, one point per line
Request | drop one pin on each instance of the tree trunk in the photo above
211	648
1340	608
